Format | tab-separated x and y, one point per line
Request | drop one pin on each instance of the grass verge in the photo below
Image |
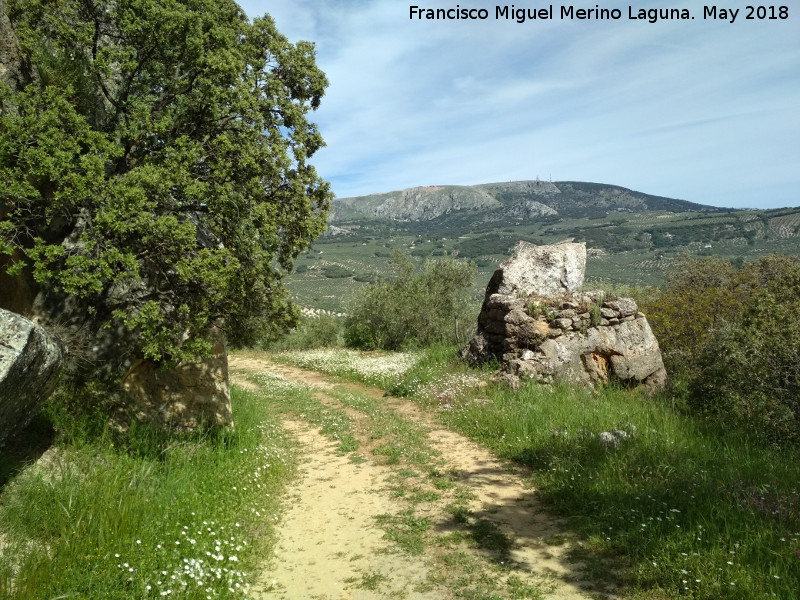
692	511
695	512
149	515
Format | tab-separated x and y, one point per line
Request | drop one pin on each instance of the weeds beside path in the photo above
392	505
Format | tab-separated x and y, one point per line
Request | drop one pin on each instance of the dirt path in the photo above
331	547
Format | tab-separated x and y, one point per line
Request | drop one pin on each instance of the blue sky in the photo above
706	111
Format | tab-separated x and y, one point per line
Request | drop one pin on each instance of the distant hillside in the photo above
495	202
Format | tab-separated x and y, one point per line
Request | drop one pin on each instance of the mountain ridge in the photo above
517	200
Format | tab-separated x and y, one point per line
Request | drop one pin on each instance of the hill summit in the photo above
515	200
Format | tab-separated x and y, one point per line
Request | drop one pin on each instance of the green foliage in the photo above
159	167
681	499
413	309
367	277
701	295
320	332
733	337
750	369
594	315
336	271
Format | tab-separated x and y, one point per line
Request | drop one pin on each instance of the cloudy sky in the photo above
702	110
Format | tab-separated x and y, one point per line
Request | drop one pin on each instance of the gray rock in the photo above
517	316
563	323
30	360
627	352
540	270
608	313
620	347
624	306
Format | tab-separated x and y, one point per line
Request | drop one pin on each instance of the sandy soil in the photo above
329	542
330	547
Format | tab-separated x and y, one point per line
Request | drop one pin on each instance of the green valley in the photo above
631	237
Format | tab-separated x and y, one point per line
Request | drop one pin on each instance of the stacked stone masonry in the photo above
572	335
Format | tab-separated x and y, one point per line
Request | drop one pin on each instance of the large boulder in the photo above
186	396
540	270
183	396
30	360
538	325
627	352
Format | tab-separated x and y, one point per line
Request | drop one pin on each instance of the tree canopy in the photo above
158	167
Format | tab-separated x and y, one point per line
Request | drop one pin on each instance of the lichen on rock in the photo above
539	323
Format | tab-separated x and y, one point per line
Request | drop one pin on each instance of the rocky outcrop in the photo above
186	396
529	209
30	360
414	204
540	270
563	334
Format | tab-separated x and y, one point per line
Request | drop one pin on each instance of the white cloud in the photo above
700	110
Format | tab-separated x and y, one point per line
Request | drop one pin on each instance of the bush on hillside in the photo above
700	296
336	272
412	309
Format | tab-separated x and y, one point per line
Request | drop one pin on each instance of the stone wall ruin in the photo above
538	323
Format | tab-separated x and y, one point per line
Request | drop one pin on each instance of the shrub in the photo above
412	309
700	296
732	336
336	271
750	370
312	332
366	277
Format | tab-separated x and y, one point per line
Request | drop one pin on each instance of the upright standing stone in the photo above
538	324
540	270
185	396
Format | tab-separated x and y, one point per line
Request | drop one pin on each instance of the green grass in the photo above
419	482
115	517
404	441
382	369
290	397
676	503
407	530
372	581
693	512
